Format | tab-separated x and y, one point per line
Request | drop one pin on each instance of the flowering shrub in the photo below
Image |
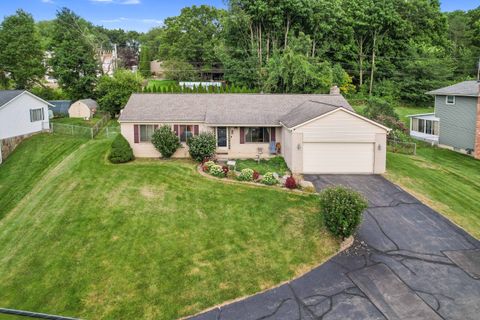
290	183
225	170
246	175
269	179
217	171
208	165
256	175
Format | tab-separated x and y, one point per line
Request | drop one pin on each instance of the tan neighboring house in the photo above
84	109
314	133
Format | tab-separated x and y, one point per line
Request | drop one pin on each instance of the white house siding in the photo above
15	117
344	128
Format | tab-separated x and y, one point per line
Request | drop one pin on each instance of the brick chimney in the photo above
334	90
477	131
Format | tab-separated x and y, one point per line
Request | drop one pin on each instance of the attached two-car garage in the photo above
338	142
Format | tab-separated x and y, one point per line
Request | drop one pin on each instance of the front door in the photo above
222	138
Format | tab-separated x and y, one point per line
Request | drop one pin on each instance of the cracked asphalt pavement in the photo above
407	262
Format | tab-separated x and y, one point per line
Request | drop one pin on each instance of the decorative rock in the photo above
306	184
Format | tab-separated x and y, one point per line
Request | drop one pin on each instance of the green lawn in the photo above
146	240
161	83
275	164
445	180
79	121
29	163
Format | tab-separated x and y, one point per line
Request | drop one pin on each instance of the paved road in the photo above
408	262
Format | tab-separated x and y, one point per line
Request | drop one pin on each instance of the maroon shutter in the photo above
175	129
136	136
195	130
242	135
272	134
155	126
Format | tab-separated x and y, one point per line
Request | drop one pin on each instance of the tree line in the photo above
389	48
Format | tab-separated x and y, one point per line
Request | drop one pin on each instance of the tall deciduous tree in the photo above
74	63
21	55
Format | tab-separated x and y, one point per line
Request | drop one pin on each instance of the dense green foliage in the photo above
74	63
21	55
342	210
165	141
120	151
269	179
113	92
202	146
217	171
144	62
246	175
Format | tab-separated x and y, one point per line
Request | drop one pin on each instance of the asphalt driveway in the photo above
407	262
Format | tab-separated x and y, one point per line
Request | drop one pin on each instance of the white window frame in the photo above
37	115
449	103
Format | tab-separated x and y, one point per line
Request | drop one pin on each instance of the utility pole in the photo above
114	57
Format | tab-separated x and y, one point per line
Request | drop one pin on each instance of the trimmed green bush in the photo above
217	171
120	151
342	209
202	146
269	179
246	175
165	141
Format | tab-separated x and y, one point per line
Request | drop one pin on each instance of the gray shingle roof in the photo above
309	110
466	88
90	103
7	95
230	109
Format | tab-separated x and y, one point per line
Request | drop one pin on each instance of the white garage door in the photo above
338	157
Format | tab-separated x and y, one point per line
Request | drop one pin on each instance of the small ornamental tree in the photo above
342	210
202	146
166	141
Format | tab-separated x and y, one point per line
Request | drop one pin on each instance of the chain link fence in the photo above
79	131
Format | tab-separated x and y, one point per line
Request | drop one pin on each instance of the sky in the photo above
139	15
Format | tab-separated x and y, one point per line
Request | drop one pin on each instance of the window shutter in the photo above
242	135
195	130
272	134
31	116
136	138
155	127
175	128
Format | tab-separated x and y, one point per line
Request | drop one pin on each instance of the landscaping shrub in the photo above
225	170
256	175
121	151
202	146
217	171
207	165
269	179
246	175
342	209
290	183
166	141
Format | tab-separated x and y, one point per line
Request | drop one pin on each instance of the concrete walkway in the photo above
408	262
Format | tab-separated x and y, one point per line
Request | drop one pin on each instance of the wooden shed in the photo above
84	109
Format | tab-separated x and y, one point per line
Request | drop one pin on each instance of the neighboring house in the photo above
84	109
21	115
316	133
60	107
455	124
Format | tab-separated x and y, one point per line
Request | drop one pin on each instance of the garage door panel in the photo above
338	157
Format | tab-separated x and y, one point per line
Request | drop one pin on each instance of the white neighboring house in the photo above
21	114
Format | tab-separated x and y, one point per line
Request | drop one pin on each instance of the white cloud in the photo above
47	1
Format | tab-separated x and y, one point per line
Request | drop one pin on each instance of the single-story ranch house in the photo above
315	133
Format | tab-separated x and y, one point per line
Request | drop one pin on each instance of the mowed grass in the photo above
32	159
79	121
161	83
148	240
445	180
276	164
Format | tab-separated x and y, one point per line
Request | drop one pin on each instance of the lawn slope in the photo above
28	163
149	240
447	181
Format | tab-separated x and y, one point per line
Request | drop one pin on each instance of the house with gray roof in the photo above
21	115
455	124
315	133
